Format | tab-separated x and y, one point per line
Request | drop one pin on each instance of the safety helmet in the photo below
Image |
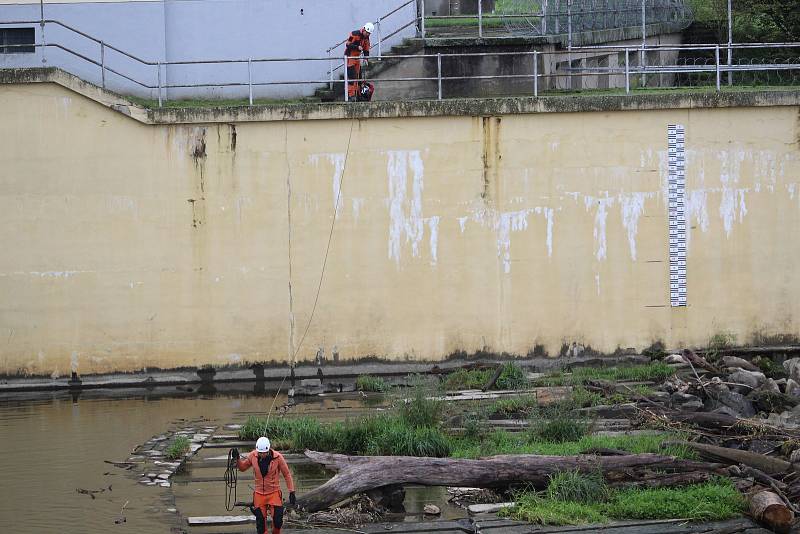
369	27
262	445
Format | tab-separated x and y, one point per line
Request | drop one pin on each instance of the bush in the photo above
577	487
422	409
178	447
558	429
512	377
374	384
512	405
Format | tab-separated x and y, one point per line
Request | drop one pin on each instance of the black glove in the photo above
235	453
366	53
292	498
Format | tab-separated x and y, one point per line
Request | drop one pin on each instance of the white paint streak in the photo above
597	283
513	221
697	209
433	225
358	203
405	212
732	197
631	206
548	213
337	160
462	221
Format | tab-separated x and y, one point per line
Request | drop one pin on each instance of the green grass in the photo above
178	447
561	429
488	22
374	384
581	488
654	371
467	379
512	377
712	501
512	405
502	442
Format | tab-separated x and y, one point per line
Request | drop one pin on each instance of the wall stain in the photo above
233	137
490	156
199	156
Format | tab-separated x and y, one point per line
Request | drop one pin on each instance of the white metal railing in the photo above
714	68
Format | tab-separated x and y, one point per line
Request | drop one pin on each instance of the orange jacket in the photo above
356	39
269	483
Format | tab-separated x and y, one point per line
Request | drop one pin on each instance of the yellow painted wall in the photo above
127	245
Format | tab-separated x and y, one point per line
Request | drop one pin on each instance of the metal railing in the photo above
533	72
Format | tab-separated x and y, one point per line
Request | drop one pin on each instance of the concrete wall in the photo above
130	245
192	30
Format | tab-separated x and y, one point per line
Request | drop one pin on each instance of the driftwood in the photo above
357	474
770	509
699	361
490	384
767	464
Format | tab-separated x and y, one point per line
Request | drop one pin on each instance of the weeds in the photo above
654	371
512	377
512	405
711	501
371	383
178	447
577	487
467	379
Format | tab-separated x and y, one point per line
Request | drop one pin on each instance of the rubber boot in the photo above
261	524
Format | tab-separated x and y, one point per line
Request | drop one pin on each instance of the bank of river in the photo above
54	444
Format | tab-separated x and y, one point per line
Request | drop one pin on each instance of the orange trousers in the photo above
272	502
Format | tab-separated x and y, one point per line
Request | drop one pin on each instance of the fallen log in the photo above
770	509
357	474
699	361
767	464
490	384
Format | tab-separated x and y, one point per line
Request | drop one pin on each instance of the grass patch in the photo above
512	405
488	22
374	384
654	371
558	429
502	442
512	377
712	501
467	379
178	447
577	487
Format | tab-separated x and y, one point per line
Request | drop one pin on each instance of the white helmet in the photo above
369	27
262	445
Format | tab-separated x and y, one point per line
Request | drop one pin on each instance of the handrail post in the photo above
627	72
439	73
346	99
730	43
422	16
330	70
569	30
643	61
380	38
250	79
159	84
544	17
480	18
535	73
716	61
103	64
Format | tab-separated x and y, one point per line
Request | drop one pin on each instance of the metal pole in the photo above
439	73
480	18
643	60
103	63
346	99
544	17
159	84
627	72
569	29
380	39
422	16
41	25
330	70
730	43
535	73
250	79
716	60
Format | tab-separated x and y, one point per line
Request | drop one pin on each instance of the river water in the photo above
52	445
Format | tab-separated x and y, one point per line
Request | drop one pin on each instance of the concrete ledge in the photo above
470	107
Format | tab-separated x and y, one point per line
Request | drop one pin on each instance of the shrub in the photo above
512	377
422	409
374	384
467	379
511	405
577	487
178	447
558	429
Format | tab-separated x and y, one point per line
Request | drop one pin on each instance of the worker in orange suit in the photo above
267	465
357	46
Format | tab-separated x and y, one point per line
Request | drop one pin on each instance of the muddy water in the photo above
52	446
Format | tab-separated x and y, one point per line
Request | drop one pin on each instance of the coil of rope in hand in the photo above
231	477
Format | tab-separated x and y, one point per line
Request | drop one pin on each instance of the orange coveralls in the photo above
357	43
267	494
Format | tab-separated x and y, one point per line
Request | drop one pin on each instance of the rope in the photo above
231	478
322	271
